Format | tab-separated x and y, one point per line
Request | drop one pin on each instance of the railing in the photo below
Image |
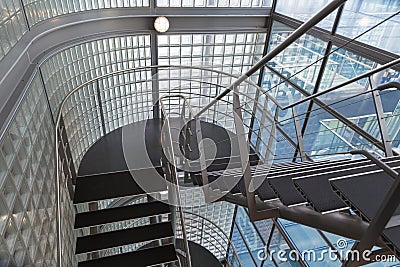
170	166
206	233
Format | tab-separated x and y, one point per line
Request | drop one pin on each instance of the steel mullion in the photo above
246	245
269	25
288	241
321	73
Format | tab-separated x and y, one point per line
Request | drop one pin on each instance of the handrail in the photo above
221	230
175	179
365	75
324	12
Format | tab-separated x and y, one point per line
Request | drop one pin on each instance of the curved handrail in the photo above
221	230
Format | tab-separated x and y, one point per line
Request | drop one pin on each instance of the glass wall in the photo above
12	25
124	97
360	15
40	10
27	197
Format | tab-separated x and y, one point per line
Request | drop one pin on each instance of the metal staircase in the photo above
156	234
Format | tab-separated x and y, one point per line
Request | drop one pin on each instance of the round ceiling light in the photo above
161	24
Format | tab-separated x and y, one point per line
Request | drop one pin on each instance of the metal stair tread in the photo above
117	238
140	258
92	218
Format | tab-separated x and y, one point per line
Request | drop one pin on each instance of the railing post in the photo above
244	158
381	120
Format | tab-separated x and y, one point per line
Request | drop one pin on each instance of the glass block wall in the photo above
39	10
27	210
203	232
122	100
12	25
232	53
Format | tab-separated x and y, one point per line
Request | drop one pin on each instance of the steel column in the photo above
300	143
321	72
155	88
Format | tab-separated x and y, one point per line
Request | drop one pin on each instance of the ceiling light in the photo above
161	24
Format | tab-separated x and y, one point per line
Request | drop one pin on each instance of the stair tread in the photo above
105	186
392	235
318	191
364	192
287	192
92	218
123	237
140	258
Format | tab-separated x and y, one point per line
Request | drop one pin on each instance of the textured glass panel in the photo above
27	194
232	53
12	25
122	98
39	10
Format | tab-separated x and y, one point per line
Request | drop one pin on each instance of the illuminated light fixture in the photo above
161	24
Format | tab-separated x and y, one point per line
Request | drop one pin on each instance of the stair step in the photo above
392	236
318	191
364	192
92	218
117	238
140	258
105	186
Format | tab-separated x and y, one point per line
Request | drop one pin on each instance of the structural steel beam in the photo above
320	73
370	52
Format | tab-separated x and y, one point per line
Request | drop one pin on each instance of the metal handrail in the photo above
220	230
175	178
362	76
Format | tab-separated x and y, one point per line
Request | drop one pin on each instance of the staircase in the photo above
349	185
152	237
